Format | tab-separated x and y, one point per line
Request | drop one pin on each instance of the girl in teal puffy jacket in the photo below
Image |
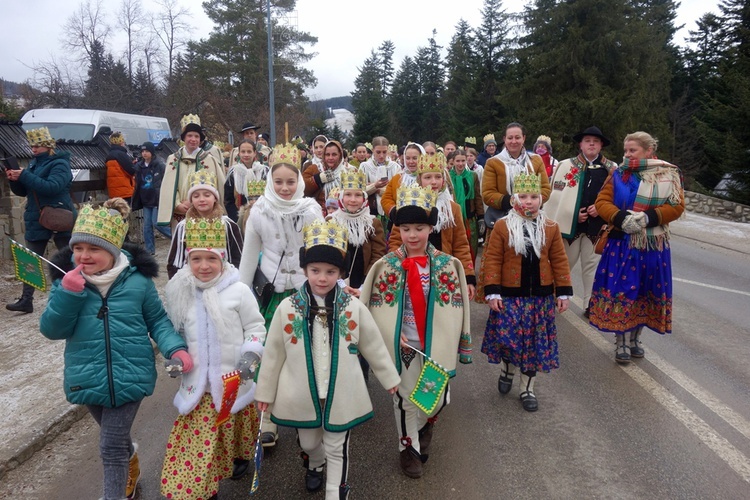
105	307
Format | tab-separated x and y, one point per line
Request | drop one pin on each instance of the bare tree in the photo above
170	25
151	55
52	85
131	19
85	28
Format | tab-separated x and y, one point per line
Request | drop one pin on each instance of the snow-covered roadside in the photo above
719	232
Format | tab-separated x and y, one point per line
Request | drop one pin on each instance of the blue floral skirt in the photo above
632	288
523	333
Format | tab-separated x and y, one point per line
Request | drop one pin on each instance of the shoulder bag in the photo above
55	219
602	237
262	288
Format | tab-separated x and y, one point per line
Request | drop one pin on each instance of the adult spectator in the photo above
489	149
173	199
249	133
149	173
543	147
633	283
120	169
575	185
45	183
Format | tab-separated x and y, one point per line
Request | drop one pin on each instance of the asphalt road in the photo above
673	425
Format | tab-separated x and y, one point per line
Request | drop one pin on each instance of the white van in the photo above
84	124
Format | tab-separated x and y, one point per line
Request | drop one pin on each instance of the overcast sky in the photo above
346	29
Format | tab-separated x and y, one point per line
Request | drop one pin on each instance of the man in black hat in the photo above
575	185
249	132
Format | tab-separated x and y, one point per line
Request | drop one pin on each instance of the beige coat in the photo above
286	377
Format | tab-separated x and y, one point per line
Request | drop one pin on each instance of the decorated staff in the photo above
315	335
414	292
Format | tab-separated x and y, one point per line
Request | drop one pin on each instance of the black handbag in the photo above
262	287
491	215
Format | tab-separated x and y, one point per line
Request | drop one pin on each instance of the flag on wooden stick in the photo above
28	266
433	379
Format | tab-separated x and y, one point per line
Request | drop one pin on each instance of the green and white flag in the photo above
432	382
28	266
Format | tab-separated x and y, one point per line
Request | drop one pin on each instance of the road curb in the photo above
24	447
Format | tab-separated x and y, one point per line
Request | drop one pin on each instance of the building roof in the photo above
13	140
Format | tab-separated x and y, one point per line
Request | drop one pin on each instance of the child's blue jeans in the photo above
150	214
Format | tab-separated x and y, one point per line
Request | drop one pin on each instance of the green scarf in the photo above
463	188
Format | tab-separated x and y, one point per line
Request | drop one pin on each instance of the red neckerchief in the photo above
418	302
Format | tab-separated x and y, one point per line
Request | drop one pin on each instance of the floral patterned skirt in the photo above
524	333
200	454
632	288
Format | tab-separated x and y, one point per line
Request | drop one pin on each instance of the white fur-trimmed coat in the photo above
216	353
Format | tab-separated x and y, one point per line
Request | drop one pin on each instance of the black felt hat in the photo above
592	131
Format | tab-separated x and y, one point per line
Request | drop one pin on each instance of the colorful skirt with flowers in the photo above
200	454
632	288
523	333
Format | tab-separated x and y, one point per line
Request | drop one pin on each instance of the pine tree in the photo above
460	65
431	82
385	54
367	100
404	104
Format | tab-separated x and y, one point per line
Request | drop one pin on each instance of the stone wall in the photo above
11	217
716	207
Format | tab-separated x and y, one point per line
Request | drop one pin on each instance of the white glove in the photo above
327	176
634	222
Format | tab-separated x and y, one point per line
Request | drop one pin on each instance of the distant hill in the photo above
10	89
321	106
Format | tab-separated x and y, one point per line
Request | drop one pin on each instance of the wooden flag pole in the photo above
286	132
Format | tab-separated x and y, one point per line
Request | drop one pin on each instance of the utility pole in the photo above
270	79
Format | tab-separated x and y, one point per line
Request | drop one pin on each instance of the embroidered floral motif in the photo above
445	282
573	176
386	285
295	324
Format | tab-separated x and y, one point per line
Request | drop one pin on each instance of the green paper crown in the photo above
256	188
527	183
205	233
103	223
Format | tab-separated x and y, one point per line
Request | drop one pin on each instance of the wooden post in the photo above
286	132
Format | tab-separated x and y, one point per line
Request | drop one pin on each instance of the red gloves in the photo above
73	281
187	361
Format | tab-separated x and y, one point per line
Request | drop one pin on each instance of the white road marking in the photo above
715	287
718	444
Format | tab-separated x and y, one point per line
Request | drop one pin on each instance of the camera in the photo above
9	163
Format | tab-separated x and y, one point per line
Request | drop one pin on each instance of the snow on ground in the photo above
343	118
720	232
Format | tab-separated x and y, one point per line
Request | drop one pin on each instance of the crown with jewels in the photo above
489	137
415	196
353	179
256	188
392	148
431	163
206	234
329	233
188	119
40	137
202	179
286	154
527	183
104	223
470	140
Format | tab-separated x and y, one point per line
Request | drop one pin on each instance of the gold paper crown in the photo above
544	138
353	179
489	137
392	148
434	163
334	194
415	196
40	137
256	188
470	140
287	154
203	178
527	184
187	119
104	223
205	233
329	233
117	138
368	145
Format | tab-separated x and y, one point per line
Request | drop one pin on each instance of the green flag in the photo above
430	386
28	266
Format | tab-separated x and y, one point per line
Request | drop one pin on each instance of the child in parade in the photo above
379	169
315	336
416	295
107	309
245	170
449	233
218	316
205	203
468	196
274	230
526	275
406	177
316	158
149	172
321	179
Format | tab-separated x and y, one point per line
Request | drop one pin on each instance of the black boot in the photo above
505	382
314	479
636	346
239	468
26	303
622	352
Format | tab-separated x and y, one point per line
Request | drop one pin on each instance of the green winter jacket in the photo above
109	359
49	178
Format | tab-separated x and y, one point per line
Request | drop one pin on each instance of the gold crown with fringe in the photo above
203	178
40	137
431	163
104	223
329	233
489	137
470	140
392	148
415	196
286	154
353	178
527	184
188	119
256	188
205	233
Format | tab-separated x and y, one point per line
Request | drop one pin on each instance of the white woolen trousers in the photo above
331	449
409	418
582	249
